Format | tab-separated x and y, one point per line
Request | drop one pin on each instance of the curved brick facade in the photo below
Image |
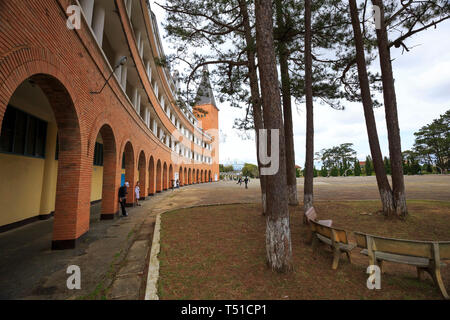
68	65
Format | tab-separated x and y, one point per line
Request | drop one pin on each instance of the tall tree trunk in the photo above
390	106
308	198
287	109
383	183
255	94
278	234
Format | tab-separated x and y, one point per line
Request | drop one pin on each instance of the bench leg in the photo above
420	273
380	264
309	237
349	256
336	257
315	242
438	280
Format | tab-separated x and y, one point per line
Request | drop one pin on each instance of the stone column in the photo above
118	71
98	24
149	69
156	90
88	10
124	77
129	4
138	40
135	98
138	103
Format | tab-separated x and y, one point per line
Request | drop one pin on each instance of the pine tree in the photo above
384	187
334	172
357	168
369	166
278	234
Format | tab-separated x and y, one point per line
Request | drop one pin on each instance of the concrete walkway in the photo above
30	270
113	255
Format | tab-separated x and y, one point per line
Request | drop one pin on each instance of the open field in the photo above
219	253
426	187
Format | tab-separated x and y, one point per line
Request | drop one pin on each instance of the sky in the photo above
422	83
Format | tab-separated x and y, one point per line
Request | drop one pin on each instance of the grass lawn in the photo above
219	253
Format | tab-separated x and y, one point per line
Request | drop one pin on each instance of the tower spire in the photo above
205	94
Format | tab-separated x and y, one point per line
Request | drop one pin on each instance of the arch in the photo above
110	179
151	177
165	177
189	176
159	181
142	169
128	158
71	203
209	176
185	182
202	177
197	176
181	176
171	177
28	63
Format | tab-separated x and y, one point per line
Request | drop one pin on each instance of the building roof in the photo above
205	94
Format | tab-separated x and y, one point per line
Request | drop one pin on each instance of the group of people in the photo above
175	184
123	191
246	180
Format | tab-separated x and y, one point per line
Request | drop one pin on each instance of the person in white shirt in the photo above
137	191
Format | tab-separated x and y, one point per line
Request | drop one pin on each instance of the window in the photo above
98	154
23	134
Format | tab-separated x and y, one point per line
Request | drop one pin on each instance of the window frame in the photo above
37	130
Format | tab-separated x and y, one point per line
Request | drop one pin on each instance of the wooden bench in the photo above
311	215
337	239
424	255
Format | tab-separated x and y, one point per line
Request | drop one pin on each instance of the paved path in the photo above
30	270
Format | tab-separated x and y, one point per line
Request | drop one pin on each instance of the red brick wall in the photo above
34	40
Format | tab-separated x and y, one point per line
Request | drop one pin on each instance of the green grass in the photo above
100	291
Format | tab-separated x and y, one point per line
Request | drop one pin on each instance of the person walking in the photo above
137	193
246	181
123	191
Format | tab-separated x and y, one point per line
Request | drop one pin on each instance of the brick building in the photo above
71	137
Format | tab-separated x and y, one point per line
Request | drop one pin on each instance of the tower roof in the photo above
205	94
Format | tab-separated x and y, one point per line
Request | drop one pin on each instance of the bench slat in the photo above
342	246
444	250
411	260
404	247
